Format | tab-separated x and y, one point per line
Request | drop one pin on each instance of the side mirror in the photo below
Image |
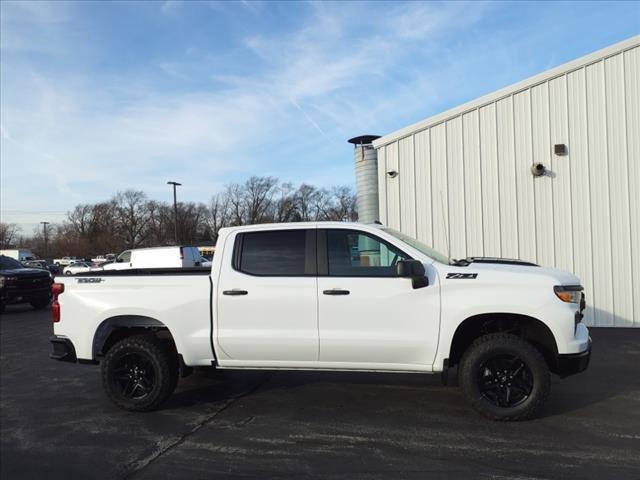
119	260
413	269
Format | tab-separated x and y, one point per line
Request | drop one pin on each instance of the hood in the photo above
504	270
32	272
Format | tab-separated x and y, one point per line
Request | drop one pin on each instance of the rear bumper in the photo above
570	364
63	349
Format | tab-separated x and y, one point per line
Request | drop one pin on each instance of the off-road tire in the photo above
502	344
156	356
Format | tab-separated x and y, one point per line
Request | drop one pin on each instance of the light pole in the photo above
175	210
44	227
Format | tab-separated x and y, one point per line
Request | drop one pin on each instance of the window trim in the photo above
310	262
323	252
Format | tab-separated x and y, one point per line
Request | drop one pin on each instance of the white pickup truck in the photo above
328	296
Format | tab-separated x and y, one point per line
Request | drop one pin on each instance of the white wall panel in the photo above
632	111
455	188
561	171
489	178
524	180
439	201
580	198
393	186
599	189
507	179
407	179
472	184
618	191
424	218
465	180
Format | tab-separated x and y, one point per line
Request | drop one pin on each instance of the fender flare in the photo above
108	326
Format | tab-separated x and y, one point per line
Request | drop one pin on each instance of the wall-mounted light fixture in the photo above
392	173
560	149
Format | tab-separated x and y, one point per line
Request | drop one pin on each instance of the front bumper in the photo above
570	364
63	349
9	295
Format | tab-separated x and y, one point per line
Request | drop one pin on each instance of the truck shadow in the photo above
612	372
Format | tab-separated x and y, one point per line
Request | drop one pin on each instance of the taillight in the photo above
181	254
56	290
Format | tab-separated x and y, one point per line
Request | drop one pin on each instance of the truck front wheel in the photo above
504	377
139	373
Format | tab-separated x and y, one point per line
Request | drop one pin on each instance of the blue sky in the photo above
100	97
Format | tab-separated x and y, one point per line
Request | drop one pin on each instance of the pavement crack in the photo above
136	467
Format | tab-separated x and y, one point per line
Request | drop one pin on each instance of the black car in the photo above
19	284
43	264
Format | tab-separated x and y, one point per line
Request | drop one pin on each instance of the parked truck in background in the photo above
19	284
328	296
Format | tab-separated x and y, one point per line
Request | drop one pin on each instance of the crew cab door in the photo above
368	316
267	298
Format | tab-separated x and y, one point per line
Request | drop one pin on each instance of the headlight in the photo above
569	293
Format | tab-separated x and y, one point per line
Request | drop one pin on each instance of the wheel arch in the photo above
118	327
527	327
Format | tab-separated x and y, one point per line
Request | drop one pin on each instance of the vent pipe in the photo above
366	163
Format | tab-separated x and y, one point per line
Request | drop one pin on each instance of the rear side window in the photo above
275	253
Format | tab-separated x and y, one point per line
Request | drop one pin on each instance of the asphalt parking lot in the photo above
56	422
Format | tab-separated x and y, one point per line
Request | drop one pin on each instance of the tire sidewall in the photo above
531	358
162	381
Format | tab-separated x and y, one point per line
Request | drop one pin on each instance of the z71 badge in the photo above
89	280
461	275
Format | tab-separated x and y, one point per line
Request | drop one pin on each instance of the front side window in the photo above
356	254
274	253
125	257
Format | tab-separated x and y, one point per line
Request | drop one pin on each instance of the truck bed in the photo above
176	298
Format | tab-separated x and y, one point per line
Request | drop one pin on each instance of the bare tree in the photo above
8	234
218	215
259	193
132	214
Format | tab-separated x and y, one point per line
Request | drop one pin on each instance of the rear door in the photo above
267	298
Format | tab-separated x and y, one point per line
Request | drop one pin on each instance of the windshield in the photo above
418	245
8	263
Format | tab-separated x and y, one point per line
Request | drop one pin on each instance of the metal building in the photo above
546	170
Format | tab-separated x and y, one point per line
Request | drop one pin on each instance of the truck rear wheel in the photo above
504	377
139	373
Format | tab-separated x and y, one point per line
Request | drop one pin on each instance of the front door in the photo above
267	298
368	316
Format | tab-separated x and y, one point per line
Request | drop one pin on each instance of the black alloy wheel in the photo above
139	372
504	377
505	380
134	376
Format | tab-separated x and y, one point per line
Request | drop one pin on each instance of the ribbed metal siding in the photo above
465	185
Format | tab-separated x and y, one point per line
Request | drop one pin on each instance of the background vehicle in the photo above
157	257
20	254
43	264
65	261
80	267
329	296
109	257
19	284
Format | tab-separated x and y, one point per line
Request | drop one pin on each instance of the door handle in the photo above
235	291
336	291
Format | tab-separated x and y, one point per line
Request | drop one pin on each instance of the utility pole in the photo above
175	210
44	227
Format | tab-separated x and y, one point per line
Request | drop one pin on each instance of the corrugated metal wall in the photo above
468	178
